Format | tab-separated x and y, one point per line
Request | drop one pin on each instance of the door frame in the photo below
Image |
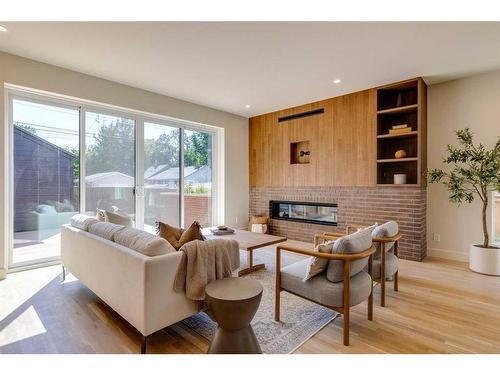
11	96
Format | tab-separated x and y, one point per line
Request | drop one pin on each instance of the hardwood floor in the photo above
441	307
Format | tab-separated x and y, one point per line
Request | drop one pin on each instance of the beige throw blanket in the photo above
203	262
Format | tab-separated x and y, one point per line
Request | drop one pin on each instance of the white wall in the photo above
472	102
33	74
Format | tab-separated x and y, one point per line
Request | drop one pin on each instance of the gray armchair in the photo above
386	259
385	238
350	286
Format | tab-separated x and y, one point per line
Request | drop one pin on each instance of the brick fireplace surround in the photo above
360	205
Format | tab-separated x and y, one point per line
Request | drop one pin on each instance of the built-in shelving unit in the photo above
401	151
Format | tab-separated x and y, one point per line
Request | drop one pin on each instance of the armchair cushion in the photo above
385	230
322	291
391	265
350	244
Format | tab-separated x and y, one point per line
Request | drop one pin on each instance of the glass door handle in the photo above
138	191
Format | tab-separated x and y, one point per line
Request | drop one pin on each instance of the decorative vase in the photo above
399	179
399	100
400	154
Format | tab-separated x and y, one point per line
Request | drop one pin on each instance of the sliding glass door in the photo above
197	179
72	158
109	164
161	175
45	163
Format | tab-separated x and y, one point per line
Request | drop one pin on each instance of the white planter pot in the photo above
484	260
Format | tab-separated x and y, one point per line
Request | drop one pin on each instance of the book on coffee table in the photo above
221	232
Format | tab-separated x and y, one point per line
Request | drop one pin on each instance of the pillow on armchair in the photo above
350	244
385	230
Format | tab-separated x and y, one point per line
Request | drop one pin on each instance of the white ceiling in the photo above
267	65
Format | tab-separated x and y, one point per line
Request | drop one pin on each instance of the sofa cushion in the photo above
143	242
385	230
82	221
177	237
104	229
350	244
319	289
318	265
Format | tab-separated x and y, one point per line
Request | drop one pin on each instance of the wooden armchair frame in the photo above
381	279
347	259
381	241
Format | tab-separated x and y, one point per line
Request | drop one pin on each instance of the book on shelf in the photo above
399	131
402	126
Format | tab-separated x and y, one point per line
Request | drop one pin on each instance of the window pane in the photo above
46	168
197	178
161	175
109	164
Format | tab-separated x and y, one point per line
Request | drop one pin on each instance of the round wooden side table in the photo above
233	303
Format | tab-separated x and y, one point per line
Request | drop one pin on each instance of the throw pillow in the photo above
256	219
114	217
177	236
385	230
318	265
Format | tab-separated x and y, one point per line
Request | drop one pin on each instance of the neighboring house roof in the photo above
110	179
172	174
151	171
40	141
191	174
200	175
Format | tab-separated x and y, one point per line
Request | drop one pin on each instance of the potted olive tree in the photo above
474	172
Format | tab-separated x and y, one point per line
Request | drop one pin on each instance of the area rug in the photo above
300	319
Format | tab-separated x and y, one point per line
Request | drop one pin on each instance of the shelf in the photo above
397	160
404	135
403	185
403	109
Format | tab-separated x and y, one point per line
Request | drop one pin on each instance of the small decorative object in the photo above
475	172
400	179
221	227
400	154
262	220
302	153
399	100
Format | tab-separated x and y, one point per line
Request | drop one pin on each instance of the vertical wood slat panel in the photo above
342	136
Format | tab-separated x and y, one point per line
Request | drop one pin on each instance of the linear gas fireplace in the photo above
308	212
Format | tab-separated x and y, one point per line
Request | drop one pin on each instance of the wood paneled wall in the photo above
342	144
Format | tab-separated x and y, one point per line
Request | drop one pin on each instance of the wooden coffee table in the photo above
248	241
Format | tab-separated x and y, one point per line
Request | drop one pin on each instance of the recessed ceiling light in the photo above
337	81
3	29
247	105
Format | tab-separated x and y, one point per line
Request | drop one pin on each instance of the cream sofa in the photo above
136	286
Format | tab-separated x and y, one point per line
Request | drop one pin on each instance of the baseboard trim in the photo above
447	254
3	273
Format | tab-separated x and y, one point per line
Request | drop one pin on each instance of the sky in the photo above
60	125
